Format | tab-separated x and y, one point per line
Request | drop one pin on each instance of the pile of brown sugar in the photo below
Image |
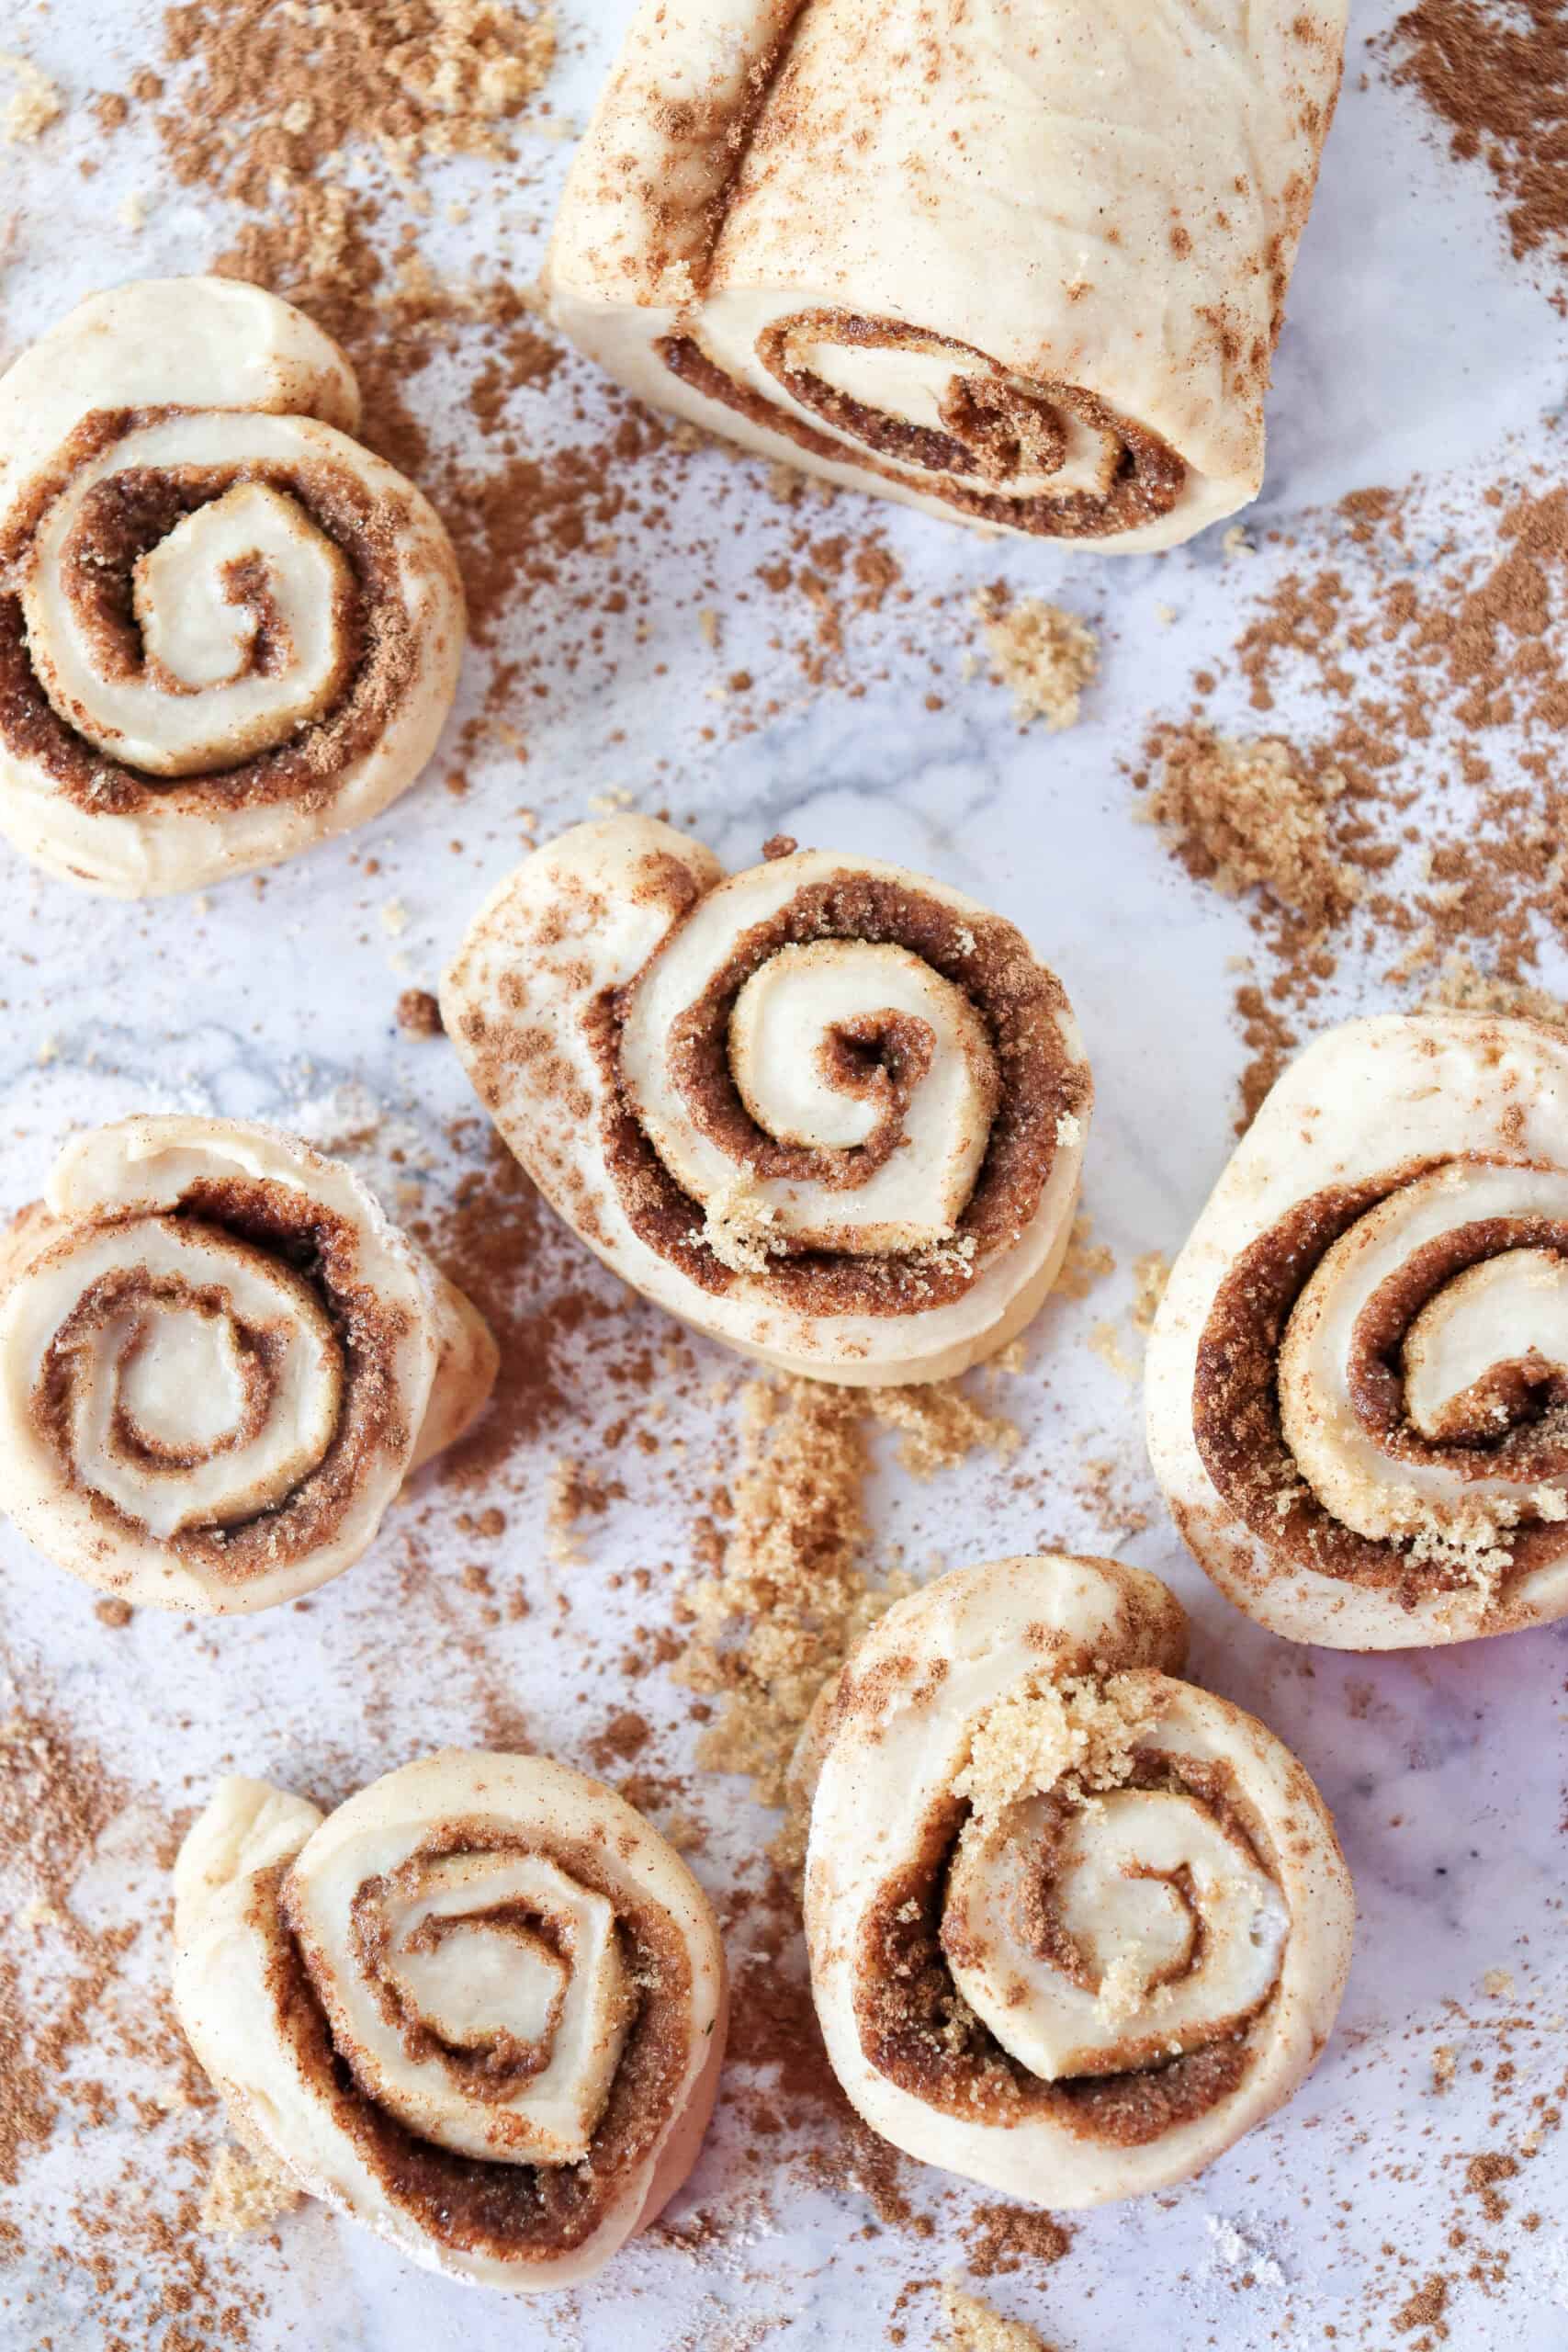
1415	816
787	1598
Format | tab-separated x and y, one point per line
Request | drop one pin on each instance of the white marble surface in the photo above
1414	346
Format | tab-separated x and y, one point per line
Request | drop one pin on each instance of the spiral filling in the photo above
1382	1389
1094	1945
938	417
867	1083
190	619
430	2006
220	1378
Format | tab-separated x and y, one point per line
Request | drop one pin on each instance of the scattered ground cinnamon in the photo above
1496	81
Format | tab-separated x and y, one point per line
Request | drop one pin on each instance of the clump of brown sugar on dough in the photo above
1251	815
1076	1737
1045	655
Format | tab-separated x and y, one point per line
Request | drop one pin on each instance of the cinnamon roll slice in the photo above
218	1362
226	629
1358	1381
826	1110
1018	272
480	2008
1074	1925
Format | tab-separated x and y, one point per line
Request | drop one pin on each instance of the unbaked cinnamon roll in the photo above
827	1110
480	2008
1074	1925
1022	273
1358	1376
218	1362
226	629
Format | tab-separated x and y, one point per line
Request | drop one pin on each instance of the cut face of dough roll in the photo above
827	1110
1074	1925
1017	270
226	629
480	2008
218	1362
1358	1374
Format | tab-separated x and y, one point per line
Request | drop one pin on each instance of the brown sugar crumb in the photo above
1462	988
419	1013
1249	815
1445	2062
1084	1262
575	1494
247	2189
1045	655
787	1575
33	105
971	2326
1150	1274
1105	1341
112	1610
940	1425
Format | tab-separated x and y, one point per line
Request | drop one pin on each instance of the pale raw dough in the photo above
1454	1121
249	637
631	911
477	1844
1021	1726
1018	243
201	1383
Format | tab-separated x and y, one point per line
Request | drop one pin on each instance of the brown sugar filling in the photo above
372	1427
509	2211
916	2029
121	519
997	429
1235	1398
1022	1005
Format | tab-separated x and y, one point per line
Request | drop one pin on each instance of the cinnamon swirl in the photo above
218	1362
826	1110
226	629
1358	1381
897	245
1074	1925
480	2008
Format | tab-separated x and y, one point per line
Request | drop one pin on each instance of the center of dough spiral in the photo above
1424	1370
869	1083
481	1997
1094	1937
197	1381
182	614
